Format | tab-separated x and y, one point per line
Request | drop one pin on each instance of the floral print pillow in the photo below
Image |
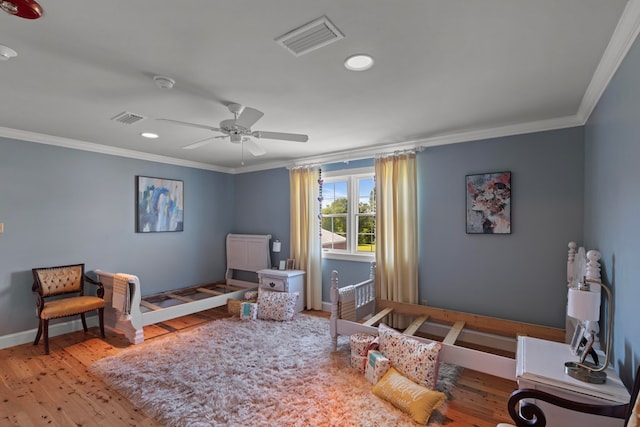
414	359
277	305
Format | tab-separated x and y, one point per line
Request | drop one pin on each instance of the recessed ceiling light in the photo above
7	53
149	135
358	62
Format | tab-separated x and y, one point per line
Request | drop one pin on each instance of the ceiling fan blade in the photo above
248	117
200	143
194	125
254	148
280	135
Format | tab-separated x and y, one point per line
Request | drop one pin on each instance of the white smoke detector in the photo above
164	82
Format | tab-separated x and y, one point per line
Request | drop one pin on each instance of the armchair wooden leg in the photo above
39	334
45	328
84	322
101	321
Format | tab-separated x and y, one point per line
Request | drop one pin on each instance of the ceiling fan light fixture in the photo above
7	53
358	62
236	139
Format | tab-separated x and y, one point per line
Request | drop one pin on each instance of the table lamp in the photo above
276	251
584	305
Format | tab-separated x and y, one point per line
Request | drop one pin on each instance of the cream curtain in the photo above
396	230
305	231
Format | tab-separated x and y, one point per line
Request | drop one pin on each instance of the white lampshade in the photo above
276	246
583	305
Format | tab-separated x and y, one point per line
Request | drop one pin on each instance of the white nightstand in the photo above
284	281
540	365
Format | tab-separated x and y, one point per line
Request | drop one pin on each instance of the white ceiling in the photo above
445	71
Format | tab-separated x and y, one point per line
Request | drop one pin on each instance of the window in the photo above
349	213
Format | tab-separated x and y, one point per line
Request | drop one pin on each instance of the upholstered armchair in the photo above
59	293
526	413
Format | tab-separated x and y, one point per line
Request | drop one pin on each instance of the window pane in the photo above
366	233
348	213
334	197
334	232
366	195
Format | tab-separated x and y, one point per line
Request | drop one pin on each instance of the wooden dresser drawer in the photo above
274	283
284	281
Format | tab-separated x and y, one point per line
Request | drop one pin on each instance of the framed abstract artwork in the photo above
488	202
159	204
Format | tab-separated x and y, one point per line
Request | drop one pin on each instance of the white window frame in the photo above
351	176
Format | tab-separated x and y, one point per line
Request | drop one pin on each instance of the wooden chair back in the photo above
51	281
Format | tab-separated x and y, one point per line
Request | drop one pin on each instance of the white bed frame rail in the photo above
143	313
366	320
245	252
114	318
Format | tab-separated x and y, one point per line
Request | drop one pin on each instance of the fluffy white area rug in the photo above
232	372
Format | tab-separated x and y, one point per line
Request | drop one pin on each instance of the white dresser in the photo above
284	281
540	365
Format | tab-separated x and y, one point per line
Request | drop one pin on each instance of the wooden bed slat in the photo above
452	336
378	317
415	325
476	322
463	326
150	306
237	288
209	291
180	297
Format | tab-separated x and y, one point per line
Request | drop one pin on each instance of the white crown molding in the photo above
104	149
355	154
454	138
624	35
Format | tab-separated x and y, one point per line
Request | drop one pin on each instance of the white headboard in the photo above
247	252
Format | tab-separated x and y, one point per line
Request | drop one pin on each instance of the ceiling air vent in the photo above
128	118
311	36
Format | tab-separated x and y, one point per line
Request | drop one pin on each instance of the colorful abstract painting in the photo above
160	205
489	203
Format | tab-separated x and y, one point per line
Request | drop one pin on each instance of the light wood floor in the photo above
58	390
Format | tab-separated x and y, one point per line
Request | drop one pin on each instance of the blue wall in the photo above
521	276
349	273
262	207
63	206
612	203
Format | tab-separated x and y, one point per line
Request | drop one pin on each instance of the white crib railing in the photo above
365	302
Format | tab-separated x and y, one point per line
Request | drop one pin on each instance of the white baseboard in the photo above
56	329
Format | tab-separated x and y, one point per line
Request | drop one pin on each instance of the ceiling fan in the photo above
239	130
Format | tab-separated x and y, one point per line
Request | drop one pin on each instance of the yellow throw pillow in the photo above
408	396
